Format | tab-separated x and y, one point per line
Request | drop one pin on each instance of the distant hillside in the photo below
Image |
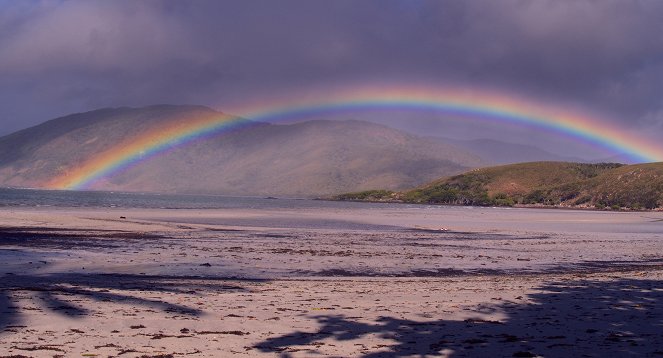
604	185
498	152
303	159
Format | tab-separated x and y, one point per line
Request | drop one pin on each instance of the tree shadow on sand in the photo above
566	319
56	292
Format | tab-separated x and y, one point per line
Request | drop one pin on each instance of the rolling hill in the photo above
558	184
498	152
310	158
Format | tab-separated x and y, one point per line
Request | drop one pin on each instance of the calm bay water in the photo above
99	199
381	216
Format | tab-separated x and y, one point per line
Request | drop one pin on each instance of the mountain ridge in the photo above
302	159
499	152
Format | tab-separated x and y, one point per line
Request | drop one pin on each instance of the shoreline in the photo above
516	206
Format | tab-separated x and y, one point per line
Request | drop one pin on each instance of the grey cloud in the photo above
78	55
92	36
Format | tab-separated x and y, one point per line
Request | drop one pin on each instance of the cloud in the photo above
79	55
92	36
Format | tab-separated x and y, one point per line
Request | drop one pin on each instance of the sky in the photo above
62	57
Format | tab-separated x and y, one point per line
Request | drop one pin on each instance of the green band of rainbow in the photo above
485	105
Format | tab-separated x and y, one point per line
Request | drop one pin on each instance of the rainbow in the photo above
171	134
466	103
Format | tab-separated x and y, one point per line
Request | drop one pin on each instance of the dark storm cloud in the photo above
58	57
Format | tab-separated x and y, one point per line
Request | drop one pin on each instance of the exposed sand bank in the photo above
361	282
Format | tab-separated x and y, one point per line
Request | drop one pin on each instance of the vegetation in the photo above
601	186
369	195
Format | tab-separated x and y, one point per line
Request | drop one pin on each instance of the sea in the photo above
10	197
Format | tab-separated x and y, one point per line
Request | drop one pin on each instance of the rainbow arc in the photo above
484	105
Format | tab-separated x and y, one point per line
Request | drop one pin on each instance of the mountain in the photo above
582	185
303	159
498	152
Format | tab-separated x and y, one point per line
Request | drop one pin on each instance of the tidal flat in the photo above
355	281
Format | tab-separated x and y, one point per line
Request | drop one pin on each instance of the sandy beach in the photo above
362	282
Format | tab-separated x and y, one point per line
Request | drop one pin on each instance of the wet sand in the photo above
392	282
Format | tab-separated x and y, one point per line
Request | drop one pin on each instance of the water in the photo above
99	199
326	213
